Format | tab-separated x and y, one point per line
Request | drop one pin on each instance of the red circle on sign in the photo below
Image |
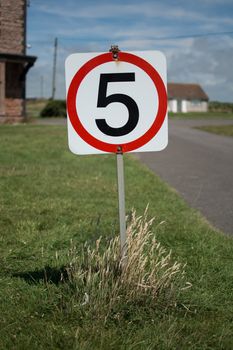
75	120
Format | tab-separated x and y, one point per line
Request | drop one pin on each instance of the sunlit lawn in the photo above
225	130
48	198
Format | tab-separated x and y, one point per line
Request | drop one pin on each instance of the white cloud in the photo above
207	64
143	10
81	27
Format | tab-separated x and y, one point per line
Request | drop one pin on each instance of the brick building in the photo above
14	63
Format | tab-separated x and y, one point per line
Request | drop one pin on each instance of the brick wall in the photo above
13	106
13	111
12	35
12	41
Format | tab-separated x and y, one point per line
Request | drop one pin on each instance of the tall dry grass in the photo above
102	278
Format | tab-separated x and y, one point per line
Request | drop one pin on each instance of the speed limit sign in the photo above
116	104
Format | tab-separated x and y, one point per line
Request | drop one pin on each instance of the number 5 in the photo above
104	100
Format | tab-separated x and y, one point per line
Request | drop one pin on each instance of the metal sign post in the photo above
97	83
121	203
120	181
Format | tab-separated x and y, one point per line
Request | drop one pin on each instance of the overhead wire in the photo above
174	37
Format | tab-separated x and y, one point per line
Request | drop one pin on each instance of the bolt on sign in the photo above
118	103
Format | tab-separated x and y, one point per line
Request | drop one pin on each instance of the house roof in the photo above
186	91
17	58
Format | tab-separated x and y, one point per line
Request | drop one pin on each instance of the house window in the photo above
14	82
195	102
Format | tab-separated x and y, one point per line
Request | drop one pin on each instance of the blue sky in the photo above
85	26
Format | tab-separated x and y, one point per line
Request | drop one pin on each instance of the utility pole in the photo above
42	87
54	69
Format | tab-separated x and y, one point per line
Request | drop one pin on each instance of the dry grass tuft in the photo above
102	278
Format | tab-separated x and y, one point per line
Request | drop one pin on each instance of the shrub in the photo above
215	106
54	108
103	281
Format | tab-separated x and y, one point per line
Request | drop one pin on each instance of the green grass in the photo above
203	115
225	130
217	106
34	107
49	197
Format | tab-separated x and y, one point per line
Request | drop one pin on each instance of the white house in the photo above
186	98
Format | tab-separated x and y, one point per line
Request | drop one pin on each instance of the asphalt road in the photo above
199	165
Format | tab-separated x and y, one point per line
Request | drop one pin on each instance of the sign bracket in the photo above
115	52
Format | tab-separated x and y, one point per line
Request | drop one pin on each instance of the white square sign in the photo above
116	105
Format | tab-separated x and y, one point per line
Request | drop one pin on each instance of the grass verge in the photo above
52	201
225	130
34	107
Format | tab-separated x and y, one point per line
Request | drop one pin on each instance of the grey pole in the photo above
42	86
120	182
54	69
121	200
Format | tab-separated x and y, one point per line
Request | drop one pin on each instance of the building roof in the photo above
186	91
17	58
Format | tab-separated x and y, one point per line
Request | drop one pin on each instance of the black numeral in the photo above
104	100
